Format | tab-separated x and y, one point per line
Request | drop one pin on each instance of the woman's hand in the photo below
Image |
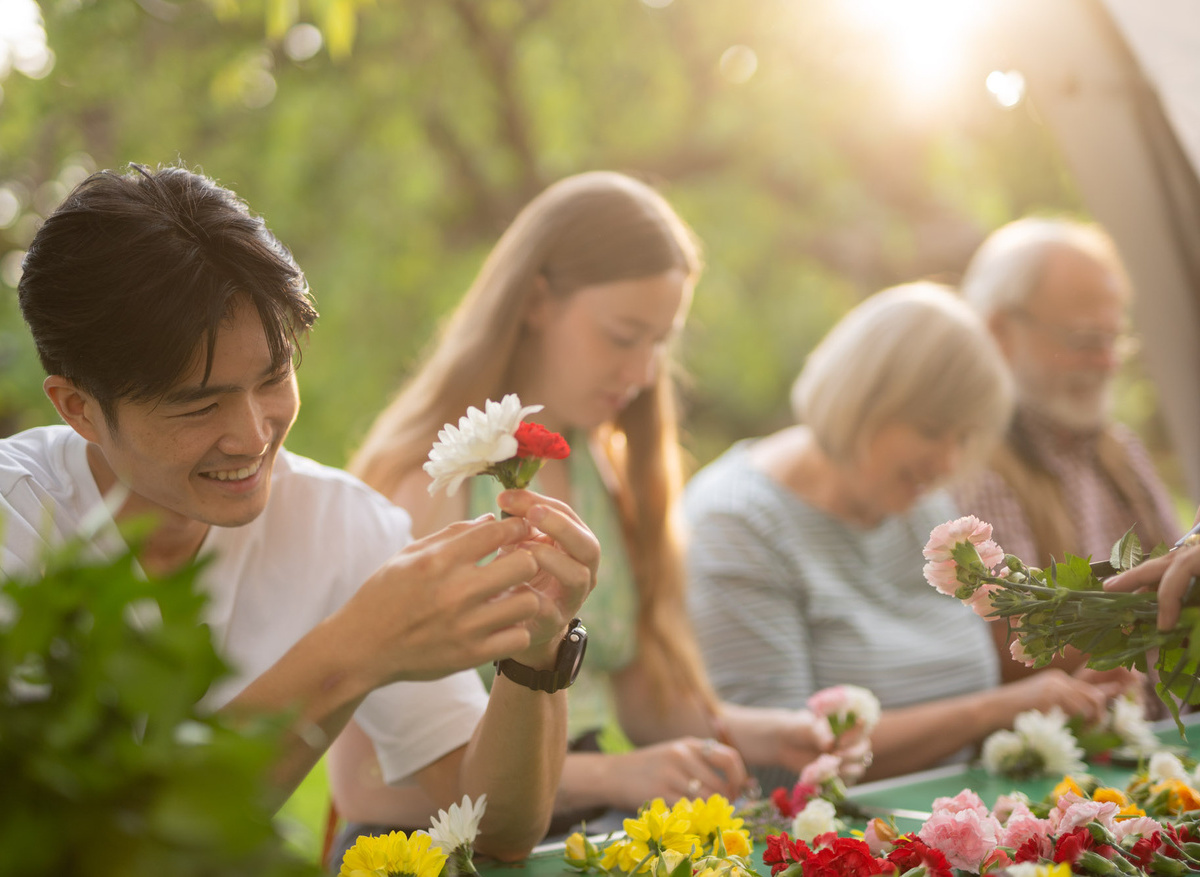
685	768
1054	688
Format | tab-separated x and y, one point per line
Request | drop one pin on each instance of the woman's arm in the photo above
916	737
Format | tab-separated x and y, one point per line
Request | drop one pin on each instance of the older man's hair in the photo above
914	354
1008	267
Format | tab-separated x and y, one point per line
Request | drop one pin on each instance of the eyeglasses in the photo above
1091	341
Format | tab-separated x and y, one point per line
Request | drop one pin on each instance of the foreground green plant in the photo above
109	768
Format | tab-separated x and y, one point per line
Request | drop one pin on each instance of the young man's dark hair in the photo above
132	274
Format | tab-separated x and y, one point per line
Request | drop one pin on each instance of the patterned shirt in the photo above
1100	513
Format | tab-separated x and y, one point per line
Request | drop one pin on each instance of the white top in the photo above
270	582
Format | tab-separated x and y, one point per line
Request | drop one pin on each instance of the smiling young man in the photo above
167	318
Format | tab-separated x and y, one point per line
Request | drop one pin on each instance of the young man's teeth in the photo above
234	474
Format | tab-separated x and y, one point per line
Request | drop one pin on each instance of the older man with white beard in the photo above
1068	478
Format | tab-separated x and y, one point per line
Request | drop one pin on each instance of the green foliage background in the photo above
391	159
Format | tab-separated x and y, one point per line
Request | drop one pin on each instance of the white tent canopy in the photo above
1118	83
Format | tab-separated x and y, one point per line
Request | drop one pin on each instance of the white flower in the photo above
1165	766
458	827
817	817
864	706
480	439
1001	751
1129	723
1047	735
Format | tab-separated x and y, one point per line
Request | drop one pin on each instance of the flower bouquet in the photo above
1066	605
495	441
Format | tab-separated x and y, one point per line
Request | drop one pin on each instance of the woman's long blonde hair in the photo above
593	228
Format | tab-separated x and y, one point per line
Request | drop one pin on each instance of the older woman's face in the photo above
901	462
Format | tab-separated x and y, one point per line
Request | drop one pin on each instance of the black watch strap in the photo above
566	664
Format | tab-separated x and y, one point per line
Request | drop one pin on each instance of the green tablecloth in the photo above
913	792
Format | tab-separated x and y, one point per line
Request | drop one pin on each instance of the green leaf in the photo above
1126	551
1074	574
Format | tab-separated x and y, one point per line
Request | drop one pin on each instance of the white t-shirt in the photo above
321	535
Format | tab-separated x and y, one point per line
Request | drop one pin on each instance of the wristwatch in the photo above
566	665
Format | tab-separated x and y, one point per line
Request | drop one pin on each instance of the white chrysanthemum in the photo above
817	817
480	439
1001	750
864	705
1047	735
1129	723
459	826
1166	766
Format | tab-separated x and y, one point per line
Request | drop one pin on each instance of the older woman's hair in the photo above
1007	268
915	354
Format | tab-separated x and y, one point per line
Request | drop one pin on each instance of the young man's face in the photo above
205	452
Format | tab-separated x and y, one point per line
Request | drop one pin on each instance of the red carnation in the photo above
846	857
912	852
790	805
782	851
1142	852
1036	848
534	440
1074	844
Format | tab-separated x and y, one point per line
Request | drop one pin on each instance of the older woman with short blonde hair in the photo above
805	546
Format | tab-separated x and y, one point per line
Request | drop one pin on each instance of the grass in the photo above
301	820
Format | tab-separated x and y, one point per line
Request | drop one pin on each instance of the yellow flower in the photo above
708	819
657	829
367	858
736	841
1180	796
393	855
1114	796
1067	785
576	852
1062	869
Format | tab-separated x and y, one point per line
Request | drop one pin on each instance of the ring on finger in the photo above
693	786
707	747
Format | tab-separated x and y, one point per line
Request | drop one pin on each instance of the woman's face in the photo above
897	465
594	350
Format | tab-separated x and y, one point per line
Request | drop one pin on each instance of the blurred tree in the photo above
388	144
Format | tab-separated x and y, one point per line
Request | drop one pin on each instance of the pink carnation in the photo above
1008	806
981	601
943	575
1017	650
820	770
1080	812
1139	825
964	800
1021	826
966	838
941	570
945	536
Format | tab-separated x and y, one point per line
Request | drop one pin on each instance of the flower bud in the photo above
1094	863
1014	563
1166	866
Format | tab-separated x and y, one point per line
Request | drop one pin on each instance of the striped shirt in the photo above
788	600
